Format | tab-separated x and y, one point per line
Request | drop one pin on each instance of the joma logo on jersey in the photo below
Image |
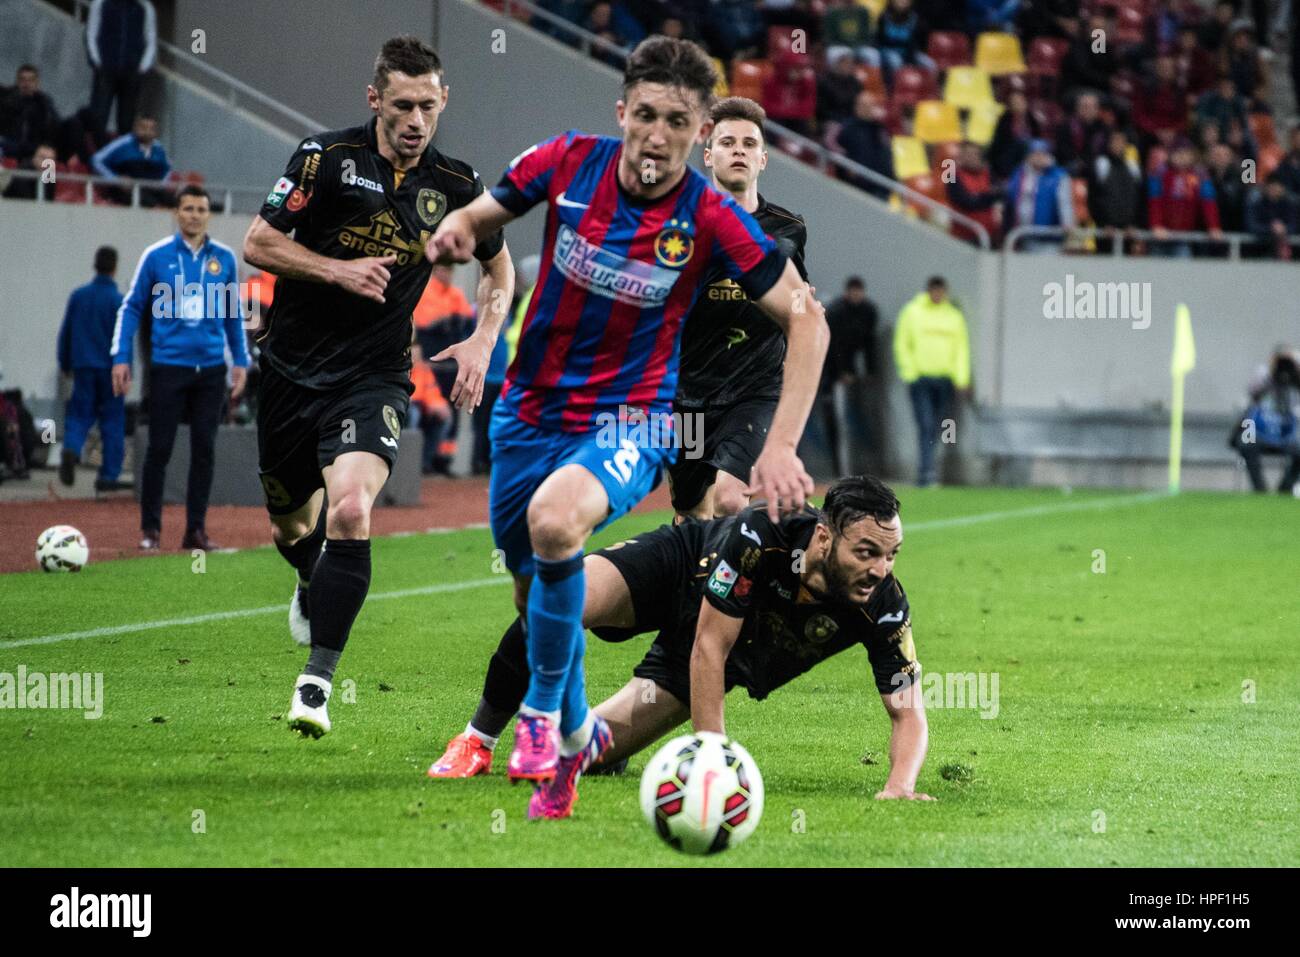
609	274
350	178
381	238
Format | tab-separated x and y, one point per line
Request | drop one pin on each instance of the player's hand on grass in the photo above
121	378
452	243
891	793
238	378
472	358
779	477
367	277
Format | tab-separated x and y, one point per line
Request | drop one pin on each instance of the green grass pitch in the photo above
1147	713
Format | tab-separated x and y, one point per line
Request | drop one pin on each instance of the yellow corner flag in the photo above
1183	362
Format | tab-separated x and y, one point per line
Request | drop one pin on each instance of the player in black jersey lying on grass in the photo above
732	353
737	602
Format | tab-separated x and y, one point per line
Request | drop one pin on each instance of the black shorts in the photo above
300	431
733	436
661	569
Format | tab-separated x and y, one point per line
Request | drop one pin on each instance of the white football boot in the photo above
299	623
307	714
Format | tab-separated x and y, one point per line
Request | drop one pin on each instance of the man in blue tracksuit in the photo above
121	44
190	284
84	341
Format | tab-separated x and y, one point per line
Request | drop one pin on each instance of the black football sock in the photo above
506	682
322	661
304	553
340	582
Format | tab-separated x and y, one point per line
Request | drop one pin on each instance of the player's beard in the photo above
840	582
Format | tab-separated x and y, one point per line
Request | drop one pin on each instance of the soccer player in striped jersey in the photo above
583	425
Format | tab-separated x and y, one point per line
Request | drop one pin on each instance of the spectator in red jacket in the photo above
790	94
1160	110
1181	198
973	193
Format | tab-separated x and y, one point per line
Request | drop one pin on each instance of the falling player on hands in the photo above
768	600
732	352
630	233
335	387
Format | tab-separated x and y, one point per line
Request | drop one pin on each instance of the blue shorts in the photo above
524	455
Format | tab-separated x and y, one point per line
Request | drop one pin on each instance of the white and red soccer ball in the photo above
702	793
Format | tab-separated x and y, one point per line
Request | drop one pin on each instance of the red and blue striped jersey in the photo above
618	276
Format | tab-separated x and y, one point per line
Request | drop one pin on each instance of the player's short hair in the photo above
105	260
192	189
27	68
405	54
672	62
936	282
736	108
851	499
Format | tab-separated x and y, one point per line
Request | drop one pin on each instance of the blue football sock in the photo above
573	712
555	603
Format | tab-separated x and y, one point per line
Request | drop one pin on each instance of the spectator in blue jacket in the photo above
137	155
1272	215
84	341
1039	193
122	44
190	284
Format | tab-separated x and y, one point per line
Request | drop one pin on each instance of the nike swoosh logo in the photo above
890	619
750	534
704	808
561	201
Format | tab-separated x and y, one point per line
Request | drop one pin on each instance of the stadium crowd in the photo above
1150	115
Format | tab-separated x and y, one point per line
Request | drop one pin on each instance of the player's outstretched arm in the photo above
266	247
496	287
908	739
715	635
778	475
463	229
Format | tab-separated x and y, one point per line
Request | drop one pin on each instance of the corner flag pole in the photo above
1183	362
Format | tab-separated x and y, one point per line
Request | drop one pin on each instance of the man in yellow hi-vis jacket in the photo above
932	351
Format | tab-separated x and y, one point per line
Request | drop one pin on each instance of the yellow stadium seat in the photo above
982	123
721	89
936	122
999	54
909	157
967	87
877	7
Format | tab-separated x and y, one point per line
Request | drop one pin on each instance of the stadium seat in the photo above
1261	127
941	152
1270	157
1048	113
872	78
999	54
1045	57
780	41
912	84
927	184
936	122
966	87
747	78
877	7
1130	25
721	89
982	123
948	48
1079	192
909	157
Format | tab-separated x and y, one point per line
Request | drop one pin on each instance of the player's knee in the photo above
555	528
287	530
349	517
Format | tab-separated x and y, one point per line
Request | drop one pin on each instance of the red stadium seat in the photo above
1130	25
8	162
1261	127
747	78
927	184
949	48
912	84
872	78
1270	157
1045	57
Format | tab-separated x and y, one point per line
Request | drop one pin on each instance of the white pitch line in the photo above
1083	506
245	613
956	522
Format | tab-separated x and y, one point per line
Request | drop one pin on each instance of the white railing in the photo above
1157	244
228	197
827	159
